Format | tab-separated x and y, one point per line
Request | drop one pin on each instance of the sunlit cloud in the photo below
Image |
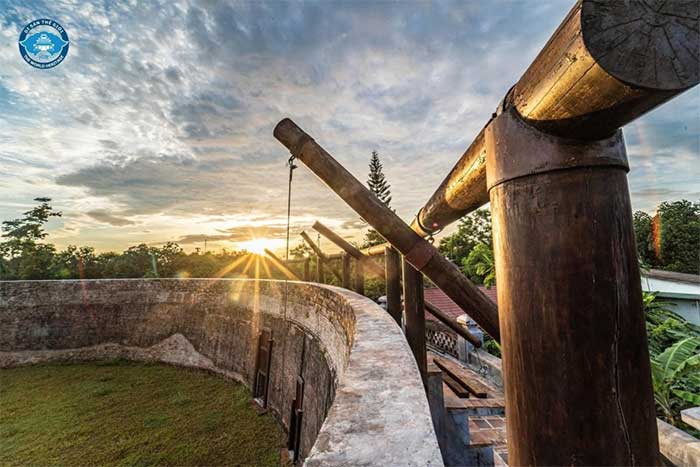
158	126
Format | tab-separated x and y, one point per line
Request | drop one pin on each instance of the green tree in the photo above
24	257
643	234
679	236
302	250
169	258
473	229
480	265
377	183
136	261
76	263
670	240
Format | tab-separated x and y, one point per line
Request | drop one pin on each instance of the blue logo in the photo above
43	43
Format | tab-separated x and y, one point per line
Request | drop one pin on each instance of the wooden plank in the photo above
462	376
455	385
452	400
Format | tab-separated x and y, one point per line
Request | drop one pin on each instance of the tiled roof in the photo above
438	298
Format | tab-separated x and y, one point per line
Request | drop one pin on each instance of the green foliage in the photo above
674	346
664	327
643	234
30	227
676	378
491	346
676	231
473	229
302	250
76	263
680	236
480	265
23	257
377	183
374	287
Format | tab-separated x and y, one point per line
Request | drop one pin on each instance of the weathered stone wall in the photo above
214	324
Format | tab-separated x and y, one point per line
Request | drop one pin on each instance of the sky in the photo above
158	125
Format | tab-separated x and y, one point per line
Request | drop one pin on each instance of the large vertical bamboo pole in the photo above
572	327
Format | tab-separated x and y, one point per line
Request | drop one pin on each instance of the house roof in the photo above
672	276
669	284
438	298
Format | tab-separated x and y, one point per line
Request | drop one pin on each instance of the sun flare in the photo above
258	245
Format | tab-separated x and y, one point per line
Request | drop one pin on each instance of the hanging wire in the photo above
292	166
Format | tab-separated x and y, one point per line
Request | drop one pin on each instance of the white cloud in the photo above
163	111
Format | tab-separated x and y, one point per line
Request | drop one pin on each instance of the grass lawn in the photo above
122	413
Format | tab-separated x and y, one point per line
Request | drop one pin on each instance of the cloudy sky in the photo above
158	125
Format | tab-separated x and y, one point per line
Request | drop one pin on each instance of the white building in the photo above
683	290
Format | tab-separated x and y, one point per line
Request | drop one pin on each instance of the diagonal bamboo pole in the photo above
417	251
350	249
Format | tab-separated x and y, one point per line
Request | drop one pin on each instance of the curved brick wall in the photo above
362	387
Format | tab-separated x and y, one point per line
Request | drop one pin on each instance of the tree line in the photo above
24	255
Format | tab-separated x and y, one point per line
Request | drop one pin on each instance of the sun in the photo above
258	245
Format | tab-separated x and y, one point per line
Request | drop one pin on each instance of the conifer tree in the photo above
378	185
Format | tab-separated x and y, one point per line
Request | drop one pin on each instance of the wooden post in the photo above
416	250
346	271
359	277
415	315
307	269
320	276
392	265
572	327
